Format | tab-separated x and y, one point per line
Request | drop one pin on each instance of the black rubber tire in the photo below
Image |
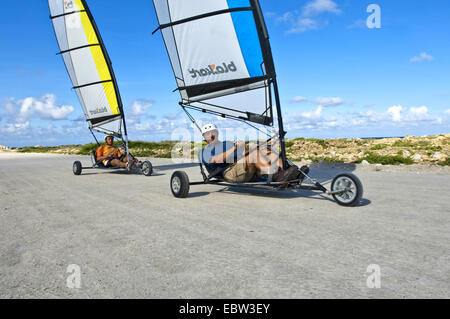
147	168
77	168
359	190
179	184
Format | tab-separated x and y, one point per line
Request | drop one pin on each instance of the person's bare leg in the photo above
117	163
264	162
251	167
125	160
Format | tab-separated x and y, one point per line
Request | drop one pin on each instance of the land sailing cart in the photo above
92	76
223	65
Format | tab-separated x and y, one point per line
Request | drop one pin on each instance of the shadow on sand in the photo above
177	166
323	172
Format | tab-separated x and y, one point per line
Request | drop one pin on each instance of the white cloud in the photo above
395	112
422	57
314	114
17	128
329	101
303	25
140	107
322	101
309	16
419	113
10	105
400	114
44	108
298	99
396	116
162	125
288	16
358	24
447	112
317	7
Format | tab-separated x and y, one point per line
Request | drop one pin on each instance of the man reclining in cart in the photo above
236	165
111	156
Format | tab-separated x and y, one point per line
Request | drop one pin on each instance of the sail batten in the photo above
217	54
202	16
88	65
66	14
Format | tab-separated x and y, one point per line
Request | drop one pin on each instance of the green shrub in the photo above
446	162
373	158
325	159
432	148
44	149
322	143
87	149
164	155
151	145
289	144
379	147
420	145
404	144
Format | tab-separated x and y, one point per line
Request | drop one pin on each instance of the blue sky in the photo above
337	77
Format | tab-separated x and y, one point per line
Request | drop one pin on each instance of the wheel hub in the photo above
176	184
348	188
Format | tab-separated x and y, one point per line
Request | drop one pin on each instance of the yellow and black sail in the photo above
88	65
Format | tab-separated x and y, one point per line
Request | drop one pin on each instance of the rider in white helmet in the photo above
237	165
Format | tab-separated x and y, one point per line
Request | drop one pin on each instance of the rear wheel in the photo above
179	184
351	187
77	168
147	168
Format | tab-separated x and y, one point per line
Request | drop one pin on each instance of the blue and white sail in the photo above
220	56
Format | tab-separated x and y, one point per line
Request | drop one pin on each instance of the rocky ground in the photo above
390	151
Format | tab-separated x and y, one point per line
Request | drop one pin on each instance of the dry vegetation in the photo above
392	151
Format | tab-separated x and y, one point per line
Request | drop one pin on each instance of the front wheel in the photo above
351	187
147	168
77	168
179	184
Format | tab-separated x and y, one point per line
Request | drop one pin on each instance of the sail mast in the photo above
111	70
270	67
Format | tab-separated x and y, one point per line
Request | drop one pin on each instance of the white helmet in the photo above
209	128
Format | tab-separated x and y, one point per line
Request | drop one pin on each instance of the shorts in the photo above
107	163
238	173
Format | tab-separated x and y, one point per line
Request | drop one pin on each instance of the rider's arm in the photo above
110	155
222	158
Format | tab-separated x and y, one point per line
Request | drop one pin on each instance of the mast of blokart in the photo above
113	76
126	138
280	125
270	67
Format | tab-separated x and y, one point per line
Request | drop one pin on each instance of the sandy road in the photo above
131	238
